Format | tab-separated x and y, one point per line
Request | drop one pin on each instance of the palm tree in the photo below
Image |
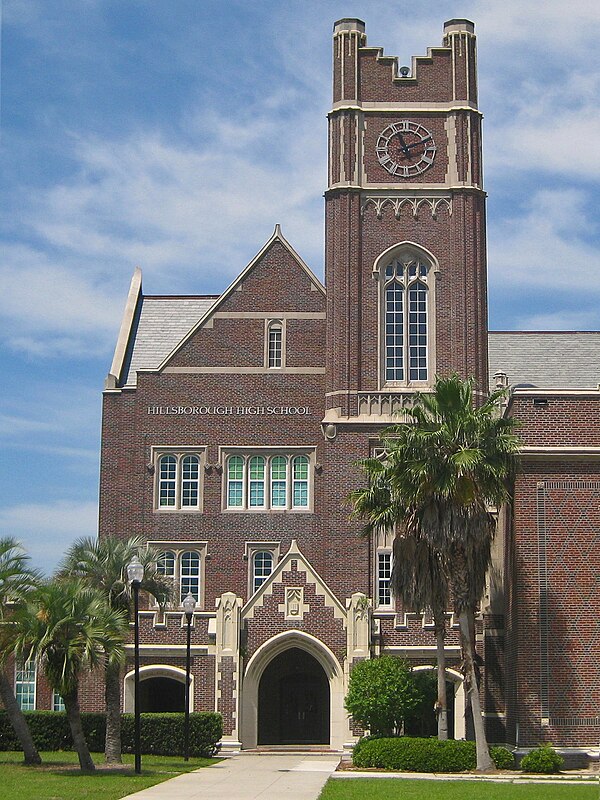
418	577
16	580
102	564
66	626
448	468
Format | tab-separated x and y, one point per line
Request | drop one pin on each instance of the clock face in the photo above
405	148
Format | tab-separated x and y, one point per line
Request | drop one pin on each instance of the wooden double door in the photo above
293	701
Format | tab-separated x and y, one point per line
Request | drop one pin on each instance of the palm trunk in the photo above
79	742
441	706
18	721
112	699
484	760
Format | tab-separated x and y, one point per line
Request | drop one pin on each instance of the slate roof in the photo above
161	323
546	359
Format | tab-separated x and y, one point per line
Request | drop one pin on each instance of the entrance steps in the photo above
293	749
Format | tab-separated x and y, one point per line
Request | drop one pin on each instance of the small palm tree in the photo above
66	627
418	577
17	579
102	564
447	469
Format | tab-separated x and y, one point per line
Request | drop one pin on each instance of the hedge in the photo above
162	734
413	754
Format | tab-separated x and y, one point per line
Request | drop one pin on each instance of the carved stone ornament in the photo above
294	607
413	204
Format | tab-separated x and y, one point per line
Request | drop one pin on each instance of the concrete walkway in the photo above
254	776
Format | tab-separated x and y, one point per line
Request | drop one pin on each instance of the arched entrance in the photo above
159	695
293	700
162	689
268	653
423	721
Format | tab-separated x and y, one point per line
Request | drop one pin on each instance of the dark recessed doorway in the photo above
293	700
159	695
423	721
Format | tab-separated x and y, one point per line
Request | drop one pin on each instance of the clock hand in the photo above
416	144
403	144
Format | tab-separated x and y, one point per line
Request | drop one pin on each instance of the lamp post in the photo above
189	604
135	575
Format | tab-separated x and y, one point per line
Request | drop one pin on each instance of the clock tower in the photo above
405	225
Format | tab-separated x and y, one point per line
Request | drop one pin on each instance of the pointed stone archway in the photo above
293	688
293	700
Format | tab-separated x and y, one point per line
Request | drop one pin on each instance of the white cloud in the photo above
549	129
548	245
560	321
47	529
55	306
177	211
534	26
43	420
12	424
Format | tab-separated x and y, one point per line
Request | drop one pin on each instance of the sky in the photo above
174	135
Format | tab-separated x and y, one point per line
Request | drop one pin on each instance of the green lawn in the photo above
390	789
59	777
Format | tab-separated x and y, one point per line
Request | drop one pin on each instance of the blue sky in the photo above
174	134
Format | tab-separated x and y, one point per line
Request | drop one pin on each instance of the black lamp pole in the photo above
135	574
189	604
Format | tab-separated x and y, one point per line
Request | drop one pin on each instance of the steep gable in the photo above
276	285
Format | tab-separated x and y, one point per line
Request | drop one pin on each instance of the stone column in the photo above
227	663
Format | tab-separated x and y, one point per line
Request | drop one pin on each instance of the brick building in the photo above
232	426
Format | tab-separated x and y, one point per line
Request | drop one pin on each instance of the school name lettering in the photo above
234	411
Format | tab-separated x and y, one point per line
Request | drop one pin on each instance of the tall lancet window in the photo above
406	320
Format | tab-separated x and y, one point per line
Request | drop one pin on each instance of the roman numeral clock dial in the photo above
405	148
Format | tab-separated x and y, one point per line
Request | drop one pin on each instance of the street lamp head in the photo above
189	604
135	571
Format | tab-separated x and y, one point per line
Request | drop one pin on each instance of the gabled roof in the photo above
154	328
312	577
277	236
546	359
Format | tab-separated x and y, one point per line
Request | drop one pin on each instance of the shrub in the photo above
162	734
381	692
543	759
413	754
502	757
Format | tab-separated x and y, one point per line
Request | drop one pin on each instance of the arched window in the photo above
190	481
279	482
235	481
274	344
184	568
262	567
167	480
406	323
300	482
165	564
269	481
178	483
189	575
257	482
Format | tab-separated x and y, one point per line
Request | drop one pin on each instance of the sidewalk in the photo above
249	777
